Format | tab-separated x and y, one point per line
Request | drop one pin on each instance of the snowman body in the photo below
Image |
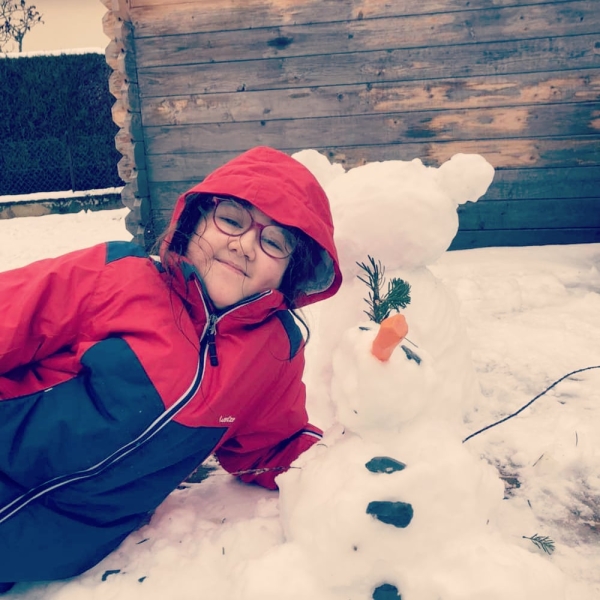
439	541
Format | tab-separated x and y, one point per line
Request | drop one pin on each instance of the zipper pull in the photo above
212	345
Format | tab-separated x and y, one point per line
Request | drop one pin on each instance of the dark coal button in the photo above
386	591
398	514
384	464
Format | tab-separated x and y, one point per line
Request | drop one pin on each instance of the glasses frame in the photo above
253	225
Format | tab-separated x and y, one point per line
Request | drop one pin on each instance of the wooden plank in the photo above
511	184
164	194
161	220
518	153
471	92
413	64
159	17
524	237
576	182
441	29
185	167
469	124
508	154
138	3
530	214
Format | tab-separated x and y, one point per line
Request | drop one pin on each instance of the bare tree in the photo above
16	19
4	24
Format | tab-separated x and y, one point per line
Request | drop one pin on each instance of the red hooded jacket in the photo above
108	399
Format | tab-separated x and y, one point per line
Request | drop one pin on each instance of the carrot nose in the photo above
391	332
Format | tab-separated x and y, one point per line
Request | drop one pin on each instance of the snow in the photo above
66	195
493	328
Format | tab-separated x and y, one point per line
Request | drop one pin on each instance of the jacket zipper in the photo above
210	330
210	340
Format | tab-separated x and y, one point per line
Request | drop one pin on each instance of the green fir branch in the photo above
380	306
542	542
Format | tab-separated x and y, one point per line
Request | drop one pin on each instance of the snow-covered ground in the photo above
67	195
494	328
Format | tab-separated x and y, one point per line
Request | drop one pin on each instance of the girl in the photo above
119	374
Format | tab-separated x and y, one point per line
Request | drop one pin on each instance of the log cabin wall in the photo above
516	81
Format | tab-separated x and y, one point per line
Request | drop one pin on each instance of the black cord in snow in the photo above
529	403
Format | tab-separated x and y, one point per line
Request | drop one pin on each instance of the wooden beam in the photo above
524	237
441	29
566	183
540	153
530	154
531	214
159	17
357	99
470	124
413	64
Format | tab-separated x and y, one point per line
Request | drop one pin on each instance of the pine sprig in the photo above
542	542
397	296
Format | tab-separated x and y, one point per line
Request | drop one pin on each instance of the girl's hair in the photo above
303	261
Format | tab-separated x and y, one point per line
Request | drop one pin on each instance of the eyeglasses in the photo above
232	218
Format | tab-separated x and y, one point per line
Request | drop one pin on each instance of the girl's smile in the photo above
232	266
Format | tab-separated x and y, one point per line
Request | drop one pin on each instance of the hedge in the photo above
56	126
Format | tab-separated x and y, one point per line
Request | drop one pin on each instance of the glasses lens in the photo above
232	218
277	242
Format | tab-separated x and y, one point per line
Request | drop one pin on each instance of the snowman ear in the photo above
465	177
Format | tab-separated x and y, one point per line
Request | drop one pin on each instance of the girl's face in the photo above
234	267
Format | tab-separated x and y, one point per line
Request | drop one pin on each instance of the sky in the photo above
67	24
492	329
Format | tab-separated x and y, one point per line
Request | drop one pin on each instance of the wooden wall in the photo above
517	81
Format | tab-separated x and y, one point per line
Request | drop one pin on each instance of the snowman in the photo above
408	511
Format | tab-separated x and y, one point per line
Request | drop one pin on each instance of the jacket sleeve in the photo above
279	434
264	465
43	306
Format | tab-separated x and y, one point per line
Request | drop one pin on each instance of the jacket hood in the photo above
287	192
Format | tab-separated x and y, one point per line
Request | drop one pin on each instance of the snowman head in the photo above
401	212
